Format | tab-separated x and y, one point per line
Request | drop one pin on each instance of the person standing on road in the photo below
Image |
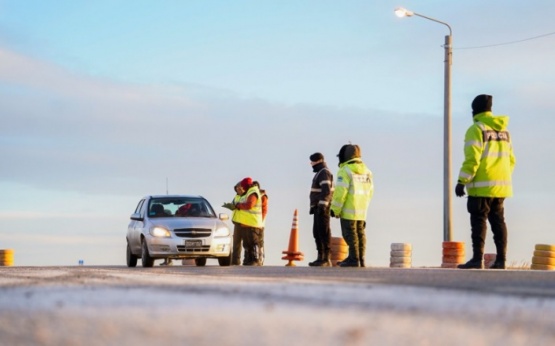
353	191
237	229
249	217
320	196
486	172
264	199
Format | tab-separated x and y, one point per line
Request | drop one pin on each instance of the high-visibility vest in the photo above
489	158
251	217
236	199
353	190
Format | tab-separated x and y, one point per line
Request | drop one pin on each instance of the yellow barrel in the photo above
6	258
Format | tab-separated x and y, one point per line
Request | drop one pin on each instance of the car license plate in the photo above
193	243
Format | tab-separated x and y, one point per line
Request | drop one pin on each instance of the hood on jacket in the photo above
348	152
496	122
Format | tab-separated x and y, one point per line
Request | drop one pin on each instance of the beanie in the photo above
316	157
246	183
482	103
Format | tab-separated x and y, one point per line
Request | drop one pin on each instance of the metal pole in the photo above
447	194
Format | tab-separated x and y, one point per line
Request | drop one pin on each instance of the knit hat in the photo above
482	103
246	183
316	157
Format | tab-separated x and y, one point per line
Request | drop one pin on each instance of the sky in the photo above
104	102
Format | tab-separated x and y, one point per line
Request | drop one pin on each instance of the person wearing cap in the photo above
237	229
486	173
264	201
249	218
353	191
320	196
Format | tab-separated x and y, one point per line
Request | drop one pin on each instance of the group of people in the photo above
249	207
486	173
348	200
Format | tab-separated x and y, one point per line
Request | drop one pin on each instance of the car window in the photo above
180	207
139	205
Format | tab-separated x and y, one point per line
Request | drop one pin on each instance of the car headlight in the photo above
160	232
222	232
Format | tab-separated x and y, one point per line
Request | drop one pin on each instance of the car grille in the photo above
204	248
192	232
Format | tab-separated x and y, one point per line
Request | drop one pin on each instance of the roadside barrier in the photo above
339	250
453	254
292	253
544	257
6	258
400	255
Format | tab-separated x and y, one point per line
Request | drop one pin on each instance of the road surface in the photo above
187	305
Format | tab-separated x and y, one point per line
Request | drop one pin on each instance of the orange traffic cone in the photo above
293	253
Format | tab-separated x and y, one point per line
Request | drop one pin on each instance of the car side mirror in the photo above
224	217
137	217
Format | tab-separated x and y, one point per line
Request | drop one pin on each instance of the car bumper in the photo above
184	248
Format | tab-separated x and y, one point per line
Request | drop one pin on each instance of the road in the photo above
271	305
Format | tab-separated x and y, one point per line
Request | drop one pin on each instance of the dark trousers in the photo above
237	244
483	209
321	231
251	244
354	233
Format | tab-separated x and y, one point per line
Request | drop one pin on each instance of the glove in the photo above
229	206
312	210
459	190
333	214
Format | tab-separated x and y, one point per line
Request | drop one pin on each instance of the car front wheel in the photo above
131	259
224	261
200	262
145	257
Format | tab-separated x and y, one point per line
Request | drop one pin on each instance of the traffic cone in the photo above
293	253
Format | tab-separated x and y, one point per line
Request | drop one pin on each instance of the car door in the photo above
135	227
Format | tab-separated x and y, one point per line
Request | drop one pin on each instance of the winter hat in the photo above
316	158
246	183
482	103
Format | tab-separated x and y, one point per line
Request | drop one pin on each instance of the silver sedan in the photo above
177	227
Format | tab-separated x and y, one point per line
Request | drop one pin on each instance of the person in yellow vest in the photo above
237	230
249	218
354	189
486	172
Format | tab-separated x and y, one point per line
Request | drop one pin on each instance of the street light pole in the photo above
447	194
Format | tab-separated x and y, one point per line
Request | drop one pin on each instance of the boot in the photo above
318	261
325	262
472	264
499	263
361	262
349	262
252	258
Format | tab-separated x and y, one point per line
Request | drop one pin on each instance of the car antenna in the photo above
167	186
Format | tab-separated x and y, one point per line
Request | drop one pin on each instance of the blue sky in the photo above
102	101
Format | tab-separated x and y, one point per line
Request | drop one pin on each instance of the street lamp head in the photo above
403	12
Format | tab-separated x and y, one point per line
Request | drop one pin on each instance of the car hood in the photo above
193	222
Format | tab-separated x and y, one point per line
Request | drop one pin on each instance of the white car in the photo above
177	227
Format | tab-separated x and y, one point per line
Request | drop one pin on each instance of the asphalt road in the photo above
271	305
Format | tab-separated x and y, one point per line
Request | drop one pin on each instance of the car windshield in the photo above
179	207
